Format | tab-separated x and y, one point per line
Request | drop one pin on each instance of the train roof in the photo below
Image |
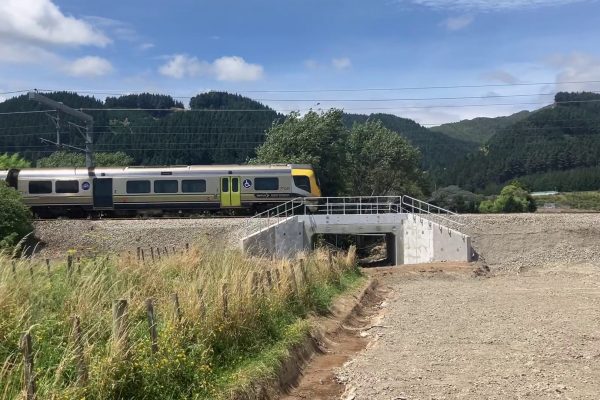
161	170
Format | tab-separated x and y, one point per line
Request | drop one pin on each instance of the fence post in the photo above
269	279
79	265
142	251
330	259
166	252
158	252
152	253
120	325
82	374
152	325
293	283
31	271
174	250
28	373
187	247
225	296
69	265
277	278
176	307
138	253
254	283
48	266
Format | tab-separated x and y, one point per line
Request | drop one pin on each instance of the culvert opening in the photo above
372	249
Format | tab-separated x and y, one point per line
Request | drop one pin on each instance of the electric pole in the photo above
86	132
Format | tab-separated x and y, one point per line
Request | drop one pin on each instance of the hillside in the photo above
479	130
438	150
563	137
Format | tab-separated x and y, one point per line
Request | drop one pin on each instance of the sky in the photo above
418	55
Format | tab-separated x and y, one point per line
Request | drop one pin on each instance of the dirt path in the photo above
448	335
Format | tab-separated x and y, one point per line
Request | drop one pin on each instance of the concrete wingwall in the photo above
284	239
427	241
411	238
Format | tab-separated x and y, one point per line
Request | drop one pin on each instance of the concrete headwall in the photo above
410	238
283	239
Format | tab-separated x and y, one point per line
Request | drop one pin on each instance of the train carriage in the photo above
138	190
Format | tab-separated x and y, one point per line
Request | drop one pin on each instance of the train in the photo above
130	191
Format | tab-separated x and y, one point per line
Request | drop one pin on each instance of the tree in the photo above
455	199
62	159
13	161
381	162
15	217
315	138
512	199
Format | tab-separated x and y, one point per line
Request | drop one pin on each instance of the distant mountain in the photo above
562	137
439	151
479	130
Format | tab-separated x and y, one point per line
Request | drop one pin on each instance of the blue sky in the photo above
185	47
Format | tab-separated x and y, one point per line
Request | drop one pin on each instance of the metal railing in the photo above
416	206
346	206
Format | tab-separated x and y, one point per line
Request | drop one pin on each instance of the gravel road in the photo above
528	330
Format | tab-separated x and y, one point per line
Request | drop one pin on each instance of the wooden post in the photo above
176	307
28	373
69	265
152	253
82	373
225	296
31	271
120	325
173	250
166	252
139	253
277	277
158	252
152	325
330	257
79	265
293	283
254	283
143	259
187	247
14	269
269	279
48	266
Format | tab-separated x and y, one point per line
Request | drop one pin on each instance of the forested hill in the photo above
219	128
438	150
479	130
550	141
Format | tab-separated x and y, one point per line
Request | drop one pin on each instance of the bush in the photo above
455	199
15	217
513	198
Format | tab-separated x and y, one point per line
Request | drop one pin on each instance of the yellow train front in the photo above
159	190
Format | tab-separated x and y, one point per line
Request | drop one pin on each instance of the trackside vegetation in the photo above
15	217
222	322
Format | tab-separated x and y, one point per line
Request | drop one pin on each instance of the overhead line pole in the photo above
88	129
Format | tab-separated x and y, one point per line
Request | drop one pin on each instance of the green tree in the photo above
455	199
380	162
15	217
315	138
62	159
13	161
512	199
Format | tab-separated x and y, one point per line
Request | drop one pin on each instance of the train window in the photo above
138	186
302	182
166	186
67	186
193	186
39	187
266	183
235	185
224	185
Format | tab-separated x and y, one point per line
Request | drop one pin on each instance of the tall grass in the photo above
210	353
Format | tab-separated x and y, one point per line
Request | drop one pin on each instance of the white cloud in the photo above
489	5
236	69
311	64
181	66
41	22
229	68
146	46
575	67
457	23
341	63
89	66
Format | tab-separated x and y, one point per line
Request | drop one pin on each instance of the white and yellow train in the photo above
157	190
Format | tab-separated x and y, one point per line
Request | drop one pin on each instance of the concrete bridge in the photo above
415	231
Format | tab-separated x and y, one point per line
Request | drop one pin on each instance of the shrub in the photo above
513	198
15	217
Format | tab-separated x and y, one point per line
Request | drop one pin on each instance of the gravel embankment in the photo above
521	241
91	236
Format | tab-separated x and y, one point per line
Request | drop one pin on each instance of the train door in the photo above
103	193
230	191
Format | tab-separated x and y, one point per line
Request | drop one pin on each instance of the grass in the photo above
212	352
572	200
